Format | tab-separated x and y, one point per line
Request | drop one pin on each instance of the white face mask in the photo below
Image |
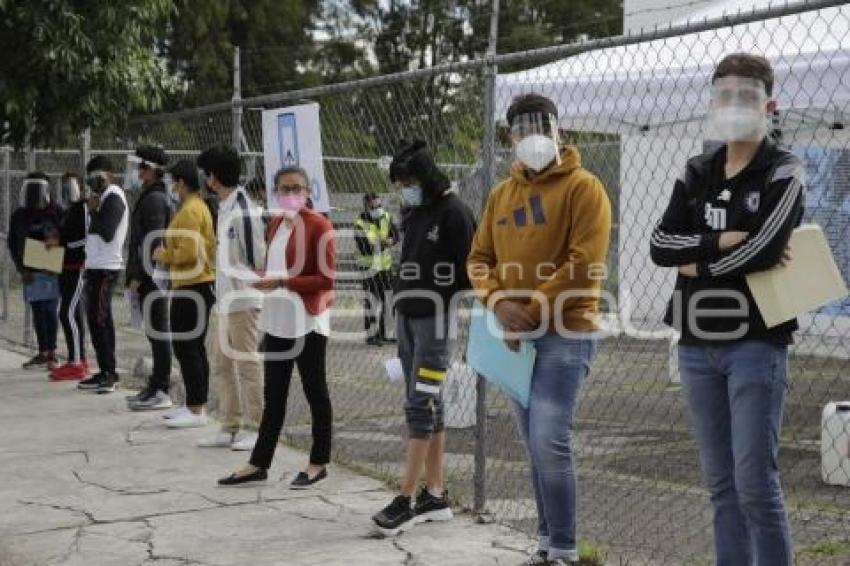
536	151
736	123
376	213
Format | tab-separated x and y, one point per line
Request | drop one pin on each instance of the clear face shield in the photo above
738	110
69	192
132	173
536	140
35	194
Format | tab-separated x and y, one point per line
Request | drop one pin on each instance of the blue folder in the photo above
488	354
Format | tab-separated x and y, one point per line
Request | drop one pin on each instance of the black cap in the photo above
529	104
152	154
186	171
414	159
99	163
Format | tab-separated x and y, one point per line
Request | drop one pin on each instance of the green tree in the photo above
275	37
68	65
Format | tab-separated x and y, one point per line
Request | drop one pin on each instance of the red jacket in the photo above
310	257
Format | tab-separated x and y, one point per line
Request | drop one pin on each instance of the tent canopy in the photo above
662	84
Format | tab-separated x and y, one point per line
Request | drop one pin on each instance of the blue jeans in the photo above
736	392
546	427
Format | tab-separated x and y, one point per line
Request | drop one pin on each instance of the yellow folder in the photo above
37	256
809	281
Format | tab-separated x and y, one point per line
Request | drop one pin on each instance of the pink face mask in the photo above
291	204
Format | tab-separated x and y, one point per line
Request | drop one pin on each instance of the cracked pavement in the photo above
88	483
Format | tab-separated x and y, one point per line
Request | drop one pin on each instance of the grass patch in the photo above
590	555
827	548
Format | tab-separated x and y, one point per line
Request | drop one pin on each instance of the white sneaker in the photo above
187	420
244	441
220	440
176	412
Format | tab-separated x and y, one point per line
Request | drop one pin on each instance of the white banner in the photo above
292	136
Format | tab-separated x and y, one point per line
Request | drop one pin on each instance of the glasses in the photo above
290	189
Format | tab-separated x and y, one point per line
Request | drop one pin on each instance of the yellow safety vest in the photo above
377	234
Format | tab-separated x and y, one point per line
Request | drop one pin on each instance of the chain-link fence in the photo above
634	107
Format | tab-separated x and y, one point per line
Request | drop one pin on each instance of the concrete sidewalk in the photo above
84	481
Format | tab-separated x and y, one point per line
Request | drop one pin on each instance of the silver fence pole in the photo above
487	178
7	196
236	102
85	151
27	336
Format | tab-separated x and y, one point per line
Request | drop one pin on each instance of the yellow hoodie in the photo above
549	234
190	244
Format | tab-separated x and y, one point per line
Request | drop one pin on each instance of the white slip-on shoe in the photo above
219	440
187	420
244	441
176	412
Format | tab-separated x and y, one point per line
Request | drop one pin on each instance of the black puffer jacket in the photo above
153	211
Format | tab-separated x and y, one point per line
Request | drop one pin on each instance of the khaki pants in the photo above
239	379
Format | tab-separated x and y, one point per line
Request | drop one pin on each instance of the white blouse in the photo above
284	314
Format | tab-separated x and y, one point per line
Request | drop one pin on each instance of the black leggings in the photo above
71	313
190	314
278	374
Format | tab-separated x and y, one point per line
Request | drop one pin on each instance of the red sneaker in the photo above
69	372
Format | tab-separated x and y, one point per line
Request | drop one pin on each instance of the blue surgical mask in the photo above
376	213
412	195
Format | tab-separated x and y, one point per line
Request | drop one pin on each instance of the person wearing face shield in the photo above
39	219
72	237
107	231
538	261
149	218
375	234
437	229
732	213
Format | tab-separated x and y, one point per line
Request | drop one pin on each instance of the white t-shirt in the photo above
284	314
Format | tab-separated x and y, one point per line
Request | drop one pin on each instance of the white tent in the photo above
655	95
663	83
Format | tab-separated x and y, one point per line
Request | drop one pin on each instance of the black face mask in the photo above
96	182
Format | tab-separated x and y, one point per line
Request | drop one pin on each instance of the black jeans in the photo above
190	315
278	374
377	303
100	284
71	285
46	323
157	321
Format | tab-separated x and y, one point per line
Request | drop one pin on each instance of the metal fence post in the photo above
7	199
488	161
85	151
236	103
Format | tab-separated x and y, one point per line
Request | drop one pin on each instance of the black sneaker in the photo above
92	383
36	362
395	517
431	508
146	393
110	380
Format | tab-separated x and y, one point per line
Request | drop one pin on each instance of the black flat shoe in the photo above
233	479
303	481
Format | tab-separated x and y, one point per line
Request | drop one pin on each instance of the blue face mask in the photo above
412	195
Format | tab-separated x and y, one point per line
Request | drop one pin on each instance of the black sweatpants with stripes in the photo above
72	313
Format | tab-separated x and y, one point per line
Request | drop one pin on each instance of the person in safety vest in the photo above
376	234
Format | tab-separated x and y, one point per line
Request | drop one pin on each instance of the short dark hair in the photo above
746	65
99	163
369	197
223	162
184	170
292	170
530	103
